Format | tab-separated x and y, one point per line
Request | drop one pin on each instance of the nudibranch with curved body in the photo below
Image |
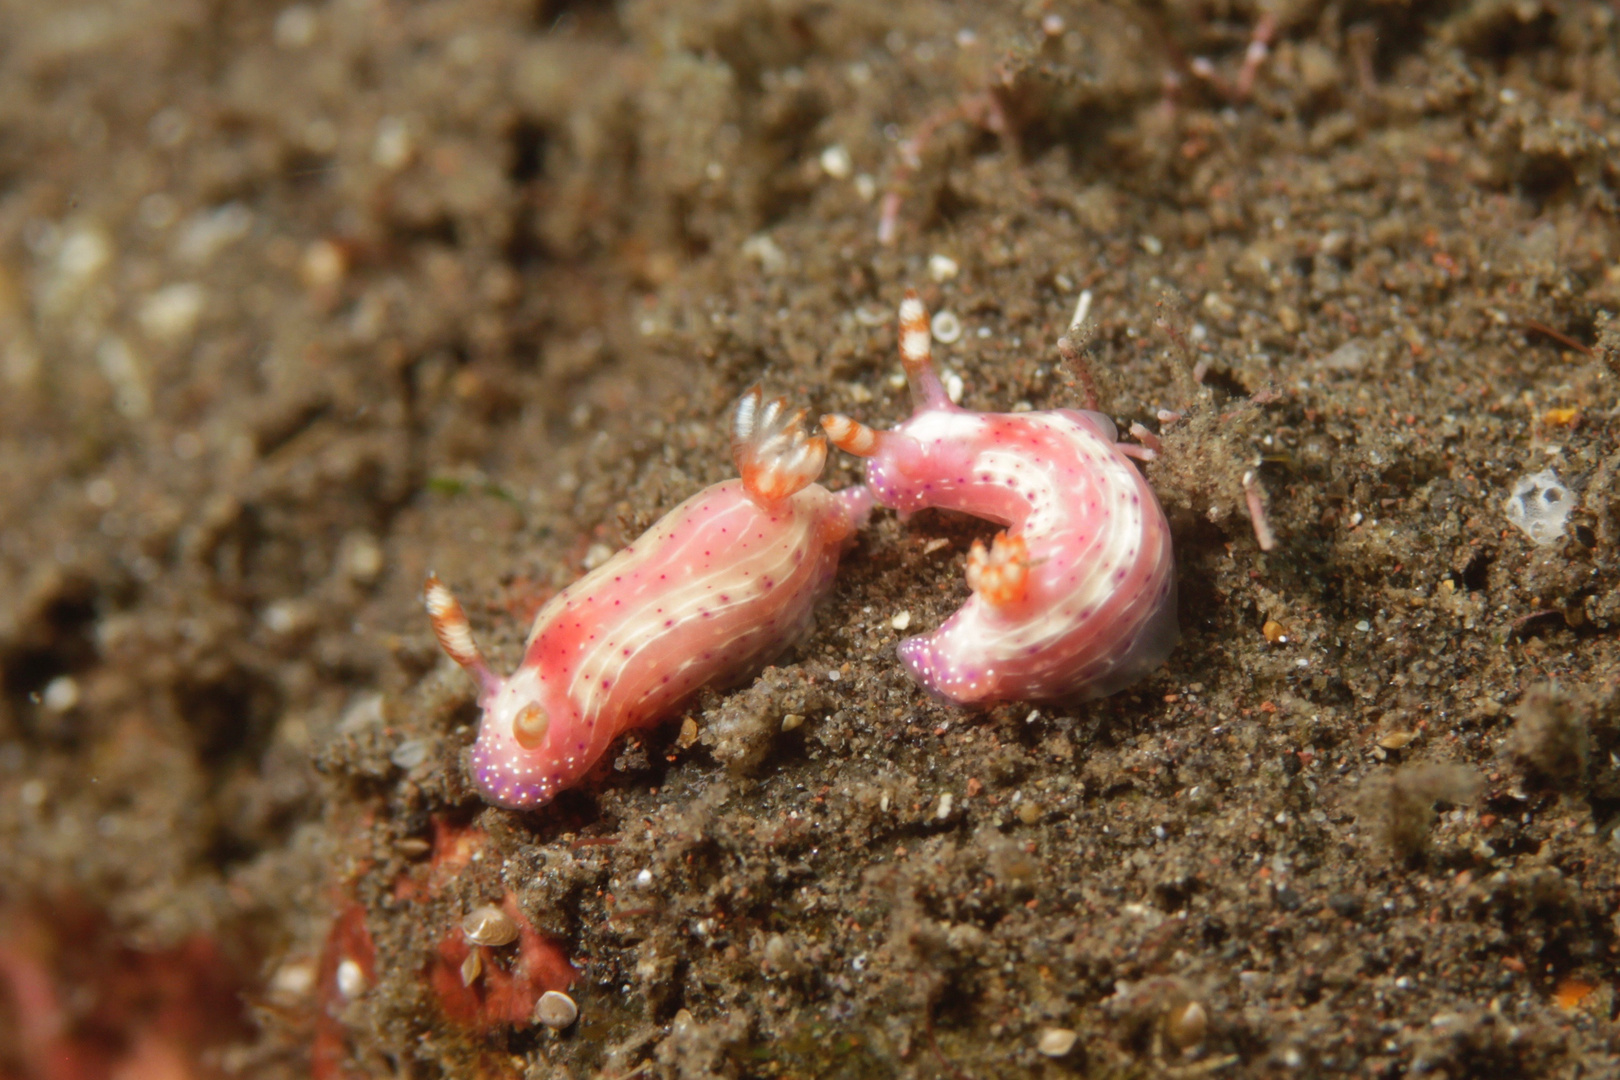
1077	596
717	587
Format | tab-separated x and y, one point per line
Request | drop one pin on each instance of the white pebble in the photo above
946	802
596	555
866	187
323	265
393	146
765	251
169	127
901	621
945	327
295	27
171	314
351	979
125	372
84	253
208	232
61	694
293	980
288	616
942	268
1351	356
101	492
953	386
836	163
157	211
362	558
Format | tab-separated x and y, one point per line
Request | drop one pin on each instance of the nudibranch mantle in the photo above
718	586
1076	598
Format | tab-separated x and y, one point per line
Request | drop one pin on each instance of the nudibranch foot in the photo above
1076	597
714	590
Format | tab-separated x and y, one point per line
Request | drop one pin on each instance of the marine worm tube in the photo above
1077	596
716	588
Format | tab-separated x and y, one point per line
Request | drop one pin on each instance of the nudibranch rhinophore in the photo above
717	587
1076	598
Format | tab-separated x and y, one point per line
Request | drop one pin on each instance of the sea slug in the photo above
1076	598
722	583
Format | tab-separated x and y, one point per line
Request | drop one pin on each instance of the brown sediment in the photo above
297	301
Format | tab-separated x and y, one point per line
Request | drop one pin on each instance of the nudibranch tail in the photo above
774	456
454	632
851	436
1000	576
916	356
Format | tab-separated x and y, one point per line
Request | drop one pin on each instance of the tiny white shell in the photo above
472	967
489	925
351	979
556	1010
1055	1042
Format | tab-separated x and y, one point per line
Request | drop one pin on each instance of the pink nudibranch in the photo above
716	588
1077	597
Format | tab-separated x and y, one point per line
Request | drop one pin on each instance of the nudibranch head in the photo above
514	760
519	714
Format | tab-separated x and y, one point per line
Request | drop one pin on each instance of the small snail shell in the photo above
556	1010
489	925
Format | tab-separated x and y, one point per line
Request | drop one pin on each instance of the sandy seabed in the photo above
298	302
